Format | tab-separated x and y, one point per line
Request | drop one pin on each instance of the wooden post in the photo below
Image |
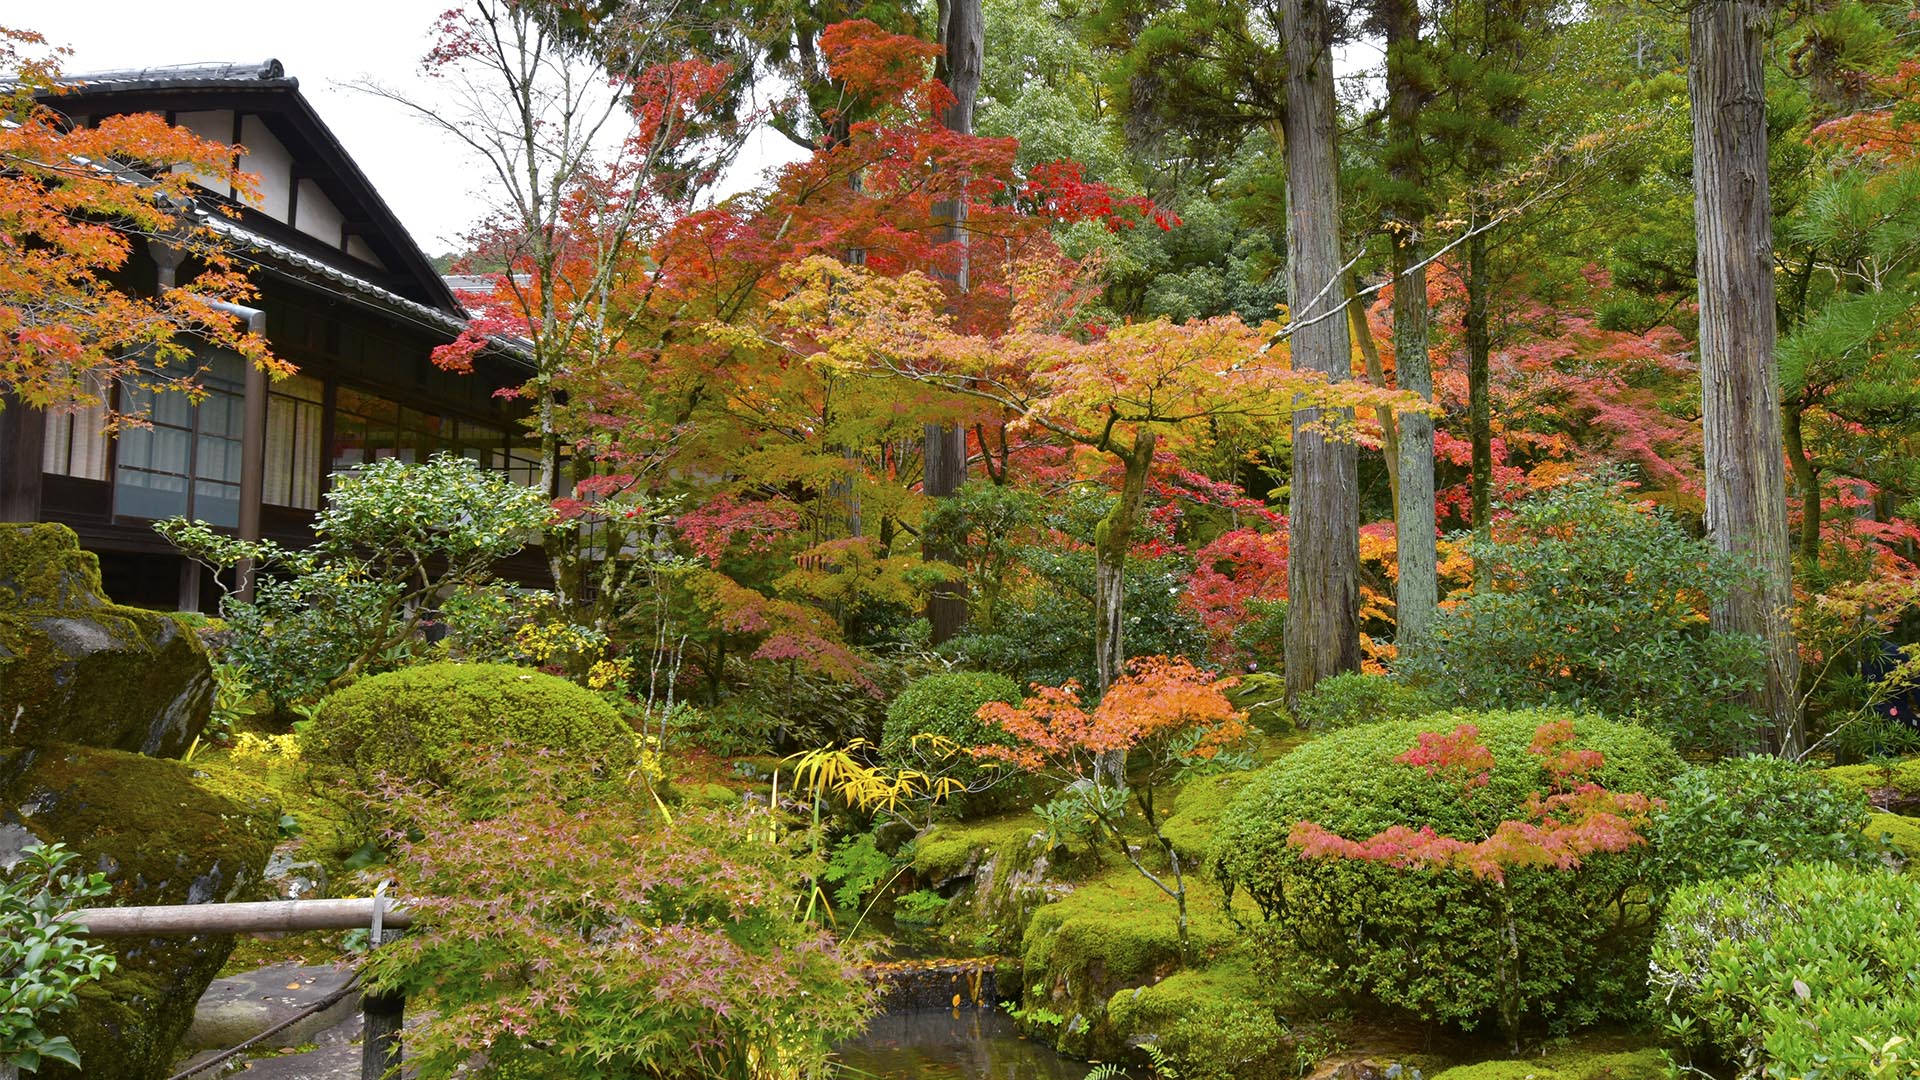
382	1015
23	432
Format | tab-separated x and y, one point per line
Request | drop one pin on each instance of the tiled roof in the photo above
186	76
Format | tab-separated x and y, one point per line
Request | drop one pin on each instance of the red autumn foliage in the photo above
1564	825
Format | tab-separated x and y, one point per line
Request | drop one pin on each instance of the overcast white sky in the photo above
426	177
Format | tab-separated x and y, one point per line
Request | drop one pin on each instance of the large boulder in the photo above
77	668
161	837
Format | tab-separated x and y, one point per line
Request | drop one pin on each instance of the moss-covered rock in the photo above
1893	786
1112	932
1216	1023
994	874
160	837
1647	1064
75	668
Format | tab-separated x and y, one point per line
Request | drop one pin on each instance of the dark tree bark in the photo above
1323	571
1479	335
963	33
1112	540
1414	532
1739	382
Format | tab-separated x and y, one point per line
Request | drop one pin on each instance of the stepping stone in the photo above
237	1008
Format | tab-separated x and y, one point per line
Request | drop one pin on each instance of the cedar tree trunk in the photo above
1323	636
1739	384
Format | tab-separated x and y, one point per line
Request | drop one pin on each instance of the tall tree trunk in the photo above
963	33
1414	527
1739	385
1323	569
1479	336
1112	538
1377	375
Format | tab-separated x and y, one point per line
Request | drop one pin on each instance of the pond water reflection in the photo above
945	1044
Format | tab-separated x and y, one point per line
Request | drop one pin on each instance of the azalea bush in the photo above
1796	971
1468	868
569	929
1591	601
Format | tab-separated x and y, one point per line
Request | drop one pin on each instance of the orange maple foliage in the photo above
1158	698
72	201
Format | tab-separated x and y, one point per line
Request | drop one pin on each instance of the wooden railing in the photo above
382	1013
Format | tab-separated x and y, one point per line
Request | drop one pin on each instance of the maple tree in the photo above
1165	717
1116	393
74	201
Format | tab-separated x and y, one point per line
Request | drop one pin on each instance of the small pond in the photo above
949	1044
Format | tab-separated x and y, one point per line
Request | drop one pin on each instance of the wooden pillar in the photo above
253	464
23	436
382	1015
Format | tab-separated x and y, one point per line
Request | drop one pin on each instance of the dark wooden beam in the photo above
23	437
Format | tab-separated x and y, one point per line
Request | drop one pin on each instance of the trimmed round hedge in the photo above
418	722
1563	946
944	705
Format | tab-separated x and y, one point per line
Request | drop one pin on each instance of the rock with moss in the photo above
421	723
76	668
1891	786
160	837
994	873
1112	932
1216	1023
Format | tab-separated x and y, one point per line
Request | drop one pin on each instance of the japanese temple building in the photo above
347	297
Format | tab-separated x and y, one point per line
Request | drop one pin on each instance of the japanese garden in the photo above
1015	539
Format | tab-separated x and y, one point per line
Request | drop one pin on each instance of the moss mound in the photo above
1197	810
1213	1024
1902	834
160	837
75	668
419	722
1112	932
1892	786
1647	1064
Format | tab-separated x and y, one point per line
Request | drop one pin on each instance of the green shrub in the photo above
1744	815
1352	699
415	723
1598	603
1799	971
1564	946
944	705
